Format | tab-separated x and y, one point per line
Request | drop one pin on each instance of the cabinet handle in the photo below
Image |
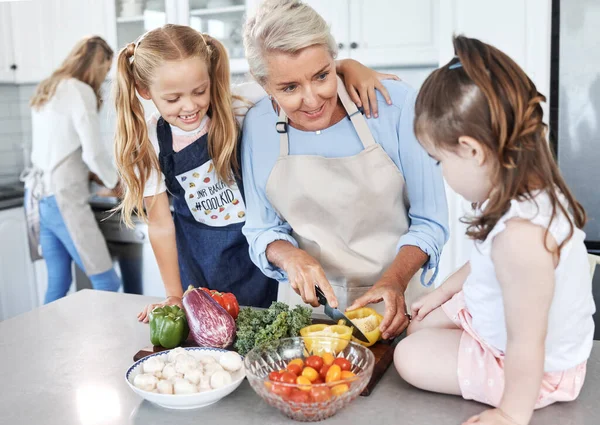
353	45
340	45
13	67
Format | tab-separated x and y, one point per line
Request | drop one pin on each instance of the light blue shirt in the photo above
393	130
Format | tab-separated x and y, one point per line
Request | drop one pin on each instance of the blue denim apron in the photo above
209	216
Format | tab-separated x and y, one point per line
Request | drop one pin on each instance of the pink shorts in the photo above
481	367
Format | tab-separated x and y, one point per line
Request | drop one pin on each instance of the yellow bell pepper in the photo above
367	320
342	335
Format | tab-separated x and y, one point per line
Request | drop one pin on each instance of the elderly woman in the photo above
354	206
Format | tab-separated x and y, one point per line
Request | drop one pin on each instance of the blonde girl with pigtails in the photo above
190	149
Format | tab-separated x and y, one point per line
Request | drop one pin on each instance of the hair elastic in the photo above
137	43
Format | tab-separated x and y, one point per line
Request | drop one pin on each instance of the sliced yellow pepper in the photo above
319	347
367	320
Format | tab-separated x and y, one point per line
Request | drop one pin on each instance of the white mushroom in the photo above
175	377
185	363
205	359
219	379
175	352
194	376
153	365
204	384
165	386
169	371
183	386
231	361
145	381
211	368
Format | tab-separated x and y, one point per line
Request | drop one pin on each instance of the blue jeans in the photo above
59	252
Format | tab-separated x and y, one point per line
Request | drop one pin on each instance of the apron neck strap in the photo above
164	136
282	128
357	118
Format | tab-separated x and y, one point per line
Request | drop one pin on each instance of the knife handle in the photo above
320	296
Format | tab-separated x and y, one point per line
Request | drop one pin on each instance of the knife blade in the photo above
336	315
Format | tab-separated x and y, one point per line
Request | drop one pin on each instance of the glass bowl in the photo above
320	400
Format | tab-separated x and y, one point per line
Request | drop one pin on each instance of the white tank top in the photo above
570	324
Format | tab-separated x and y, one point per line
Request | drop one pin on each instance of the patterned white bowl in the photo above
185	401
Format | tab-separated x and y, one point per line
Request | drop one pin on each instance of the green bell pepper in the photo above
168	326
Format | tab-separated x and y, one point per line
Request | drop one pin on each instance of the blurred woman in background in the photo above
66	149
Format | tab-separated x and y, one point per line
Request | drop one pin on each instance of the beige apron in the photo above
34	190
348	213
70	186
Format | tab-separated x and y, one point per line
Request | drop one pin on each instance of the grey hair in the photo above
285	26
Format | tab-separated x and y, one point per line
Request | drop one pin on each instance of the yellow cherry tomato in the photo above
333	374
304	383
310	373
346	374
328	359
340	389
299	362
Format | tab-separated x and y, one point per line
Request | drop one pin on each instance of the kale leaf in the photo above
256	326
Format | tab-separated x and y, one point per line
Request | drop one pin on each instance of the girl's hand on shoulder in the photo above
144	315
492	417
361	82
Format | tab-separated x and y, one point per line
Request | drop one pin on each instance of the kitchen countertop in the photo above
64	363
11	195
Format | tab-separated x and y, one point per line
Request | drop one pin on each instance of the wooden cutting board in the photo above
383	351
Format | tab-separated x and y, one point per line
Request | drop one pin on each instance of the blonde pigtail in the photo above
134	153
224	131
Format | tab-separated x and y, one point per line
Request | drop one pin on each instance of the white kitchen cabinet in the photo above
337	14
32	35
392	33
7	60
126	24
18	291
74	20
223	20
382	32
43	32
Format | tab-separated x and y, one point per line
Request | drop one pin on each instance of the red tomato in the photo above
281	390
343	363
298	396
288	377
274	376
316	362
323	371
319	380
320	393
294	368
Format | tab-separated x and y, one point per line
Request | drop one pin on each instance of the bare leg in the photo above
437	319
429	360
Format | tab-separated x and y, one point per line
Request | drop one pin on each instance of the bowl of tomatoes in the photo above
309	384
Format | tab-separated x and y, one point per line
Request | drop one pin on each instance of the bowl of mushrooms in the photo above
186	378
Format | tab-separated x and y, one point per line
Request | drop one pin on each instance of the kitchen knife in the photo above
336	315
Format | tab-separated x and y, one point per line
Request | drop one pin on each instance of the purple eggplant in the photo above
210	324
